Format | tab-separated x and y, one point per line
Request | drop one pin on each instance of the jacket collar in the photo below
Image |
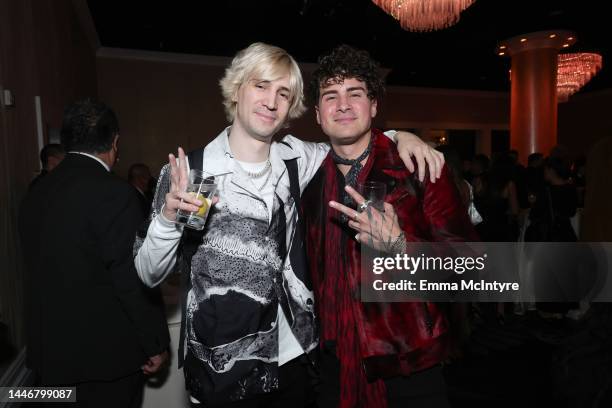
218	160
91	156
217	157
384	157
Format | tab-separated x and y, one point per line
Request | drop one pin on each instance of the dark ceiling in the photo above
462	56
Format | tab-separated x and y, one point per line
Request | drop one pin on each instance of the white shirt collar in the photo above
93	157
218	157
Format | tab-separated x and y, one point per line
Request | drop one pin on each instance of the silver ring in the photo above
364	206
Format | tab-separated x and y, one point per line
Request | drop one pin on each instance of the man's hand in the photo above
177	198
376	229
409	145
154	363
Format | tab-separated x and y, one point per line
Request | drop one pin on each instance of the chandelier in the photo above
574	71
424	15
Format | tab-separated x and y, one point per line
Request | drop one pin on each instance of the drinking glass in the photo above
374	193
204	189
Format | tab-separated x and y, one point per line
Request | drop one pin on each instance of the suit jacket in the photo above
89	317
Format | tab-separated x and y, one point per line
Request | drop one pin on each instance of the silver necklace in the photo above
260	173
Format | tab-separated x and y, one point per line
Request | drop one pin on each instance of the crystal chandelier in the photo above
574	71
424	15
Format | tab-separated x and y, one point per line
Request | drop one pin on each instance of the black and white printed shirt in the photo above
240	274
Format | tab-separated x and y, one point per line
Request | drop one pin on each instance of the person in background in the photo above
497	202
90	324
550	221
519	177
535	177
465	189
50	156
555	206
139	177
478	171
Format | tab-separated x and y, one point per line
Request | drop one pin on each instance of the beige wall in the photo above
167	100
160	106
447	109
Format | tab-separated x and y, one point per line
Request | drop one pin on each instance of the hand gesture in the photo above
177	198
376	229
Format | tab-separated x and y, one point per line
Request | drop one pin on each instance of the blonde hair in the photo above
264	62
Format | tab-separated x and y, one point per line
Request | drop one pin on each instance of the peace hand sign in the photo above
177	198
377	229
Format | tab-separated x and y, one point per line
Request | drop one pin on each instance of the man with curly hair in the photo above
249	313
373	354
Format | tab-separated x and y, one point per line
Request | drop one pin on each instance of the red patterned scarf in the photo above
337	285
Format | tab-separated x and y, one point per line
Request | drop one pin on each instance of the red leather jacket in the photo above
393	338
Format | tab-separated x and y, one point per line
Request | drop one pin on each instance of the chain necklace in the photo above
260	173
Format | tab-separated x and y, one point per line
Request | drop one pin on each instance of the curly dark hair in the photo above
345	62
89	126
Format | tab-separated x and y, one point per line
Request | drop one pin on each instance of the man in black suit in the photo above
90	322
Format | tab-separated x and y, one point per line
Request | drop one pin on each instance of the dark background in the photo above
462	56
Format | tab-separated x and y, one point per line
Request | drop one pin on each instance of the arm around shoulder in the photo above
311	157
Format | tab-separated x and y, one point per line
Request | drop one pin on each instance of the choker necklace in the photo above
260	173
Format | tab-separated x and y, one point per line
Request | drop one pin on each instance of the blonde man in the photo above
249	315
